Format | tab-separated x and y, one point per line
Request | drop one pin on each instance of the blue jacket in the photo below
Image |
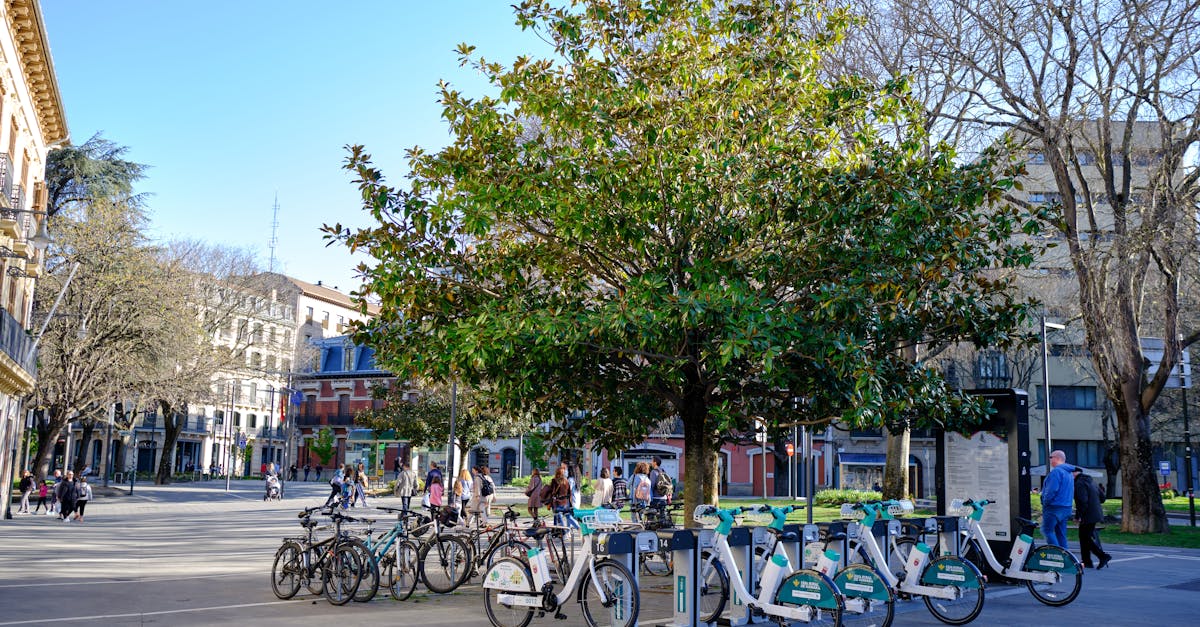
1059	488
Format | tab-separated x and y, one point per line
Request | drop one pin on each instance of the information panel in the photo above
977	468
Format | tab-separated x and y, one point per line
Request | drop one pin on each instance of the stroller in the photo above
273	492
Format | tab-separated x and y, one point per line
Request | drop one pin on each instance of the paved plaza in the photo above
193	554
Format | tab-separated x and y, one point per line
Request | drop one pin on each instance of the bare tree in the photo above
1105	93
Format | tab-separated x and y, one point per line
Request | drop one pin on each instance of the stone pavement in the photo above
192	554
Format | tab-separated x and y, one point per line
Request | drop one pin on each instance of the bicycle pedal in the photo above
560	616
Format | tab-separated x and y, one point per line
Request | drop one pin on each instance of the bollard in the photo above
795	546
740	542
618	546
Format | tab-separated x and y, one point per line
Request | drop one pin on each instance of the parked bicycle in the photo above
332	562
514	590
395	553
489	542
444	556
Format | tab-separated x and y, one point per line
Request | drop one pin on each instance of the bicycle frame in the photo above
867	539
1018	557
534	598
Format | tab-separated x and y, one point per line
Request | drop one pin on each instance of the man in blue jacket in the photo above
1058	494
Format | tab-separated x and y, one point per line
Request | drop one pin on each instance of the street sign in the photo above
1164	468
791	450
242	442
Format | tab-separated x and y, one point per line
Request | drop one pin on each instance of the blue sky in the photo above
233	102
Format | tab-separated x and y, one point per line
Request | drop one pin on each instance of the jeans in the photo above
25	501
1054	525
405	501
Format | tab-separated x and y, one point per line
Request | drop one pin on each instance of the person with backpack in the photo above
1089	513
661	487
620	489
560	494
487	493
533	493
85	494
640	482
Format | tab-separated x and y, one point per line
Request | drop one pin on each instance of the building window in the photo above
348	358
253	421
343	404
1078	397
287	338
255	360
270	362
310	405
324	319
287	365
253	392
237	419
1089	453
308	314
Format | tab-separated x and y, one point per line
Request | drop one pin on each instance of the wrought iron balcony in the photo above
15	342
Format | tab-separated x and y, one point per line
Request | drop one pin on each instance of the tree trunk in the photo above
712	481
895	469
697	454
1142	508
172	426
85	444
47	430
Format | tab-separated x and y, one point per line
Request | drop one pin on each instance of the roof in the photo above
326	294
29	35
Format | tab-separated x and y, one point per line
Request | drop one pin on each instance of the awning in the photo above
868	459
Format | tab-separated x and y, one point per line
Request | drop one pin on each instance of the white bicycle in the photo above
951	587
783	594
605	589
1053	575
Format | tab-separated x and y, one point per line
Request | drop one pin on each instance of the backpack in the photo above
642	491
662	485
487	488
1102	492
547	492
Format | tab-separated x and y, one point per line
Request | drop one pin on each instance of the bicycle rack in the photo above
740	542
685	547
795	548
619	546
948	534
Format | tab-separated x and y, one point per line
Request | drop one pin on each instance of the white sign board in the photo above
1181	374
977	468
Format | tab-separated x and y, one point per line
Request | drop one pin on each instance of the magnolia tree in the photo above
680	215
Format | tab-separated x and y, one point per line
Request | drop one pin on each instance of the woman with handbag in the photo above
534	493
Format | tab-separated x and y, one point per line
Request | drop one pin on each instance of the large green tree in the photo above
681	216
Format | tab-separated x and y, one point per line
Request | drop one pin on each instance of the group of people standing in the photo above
68	496
348	486
468	497
649	484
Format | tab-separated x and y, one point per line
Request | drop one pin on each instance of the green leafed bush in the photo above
837	497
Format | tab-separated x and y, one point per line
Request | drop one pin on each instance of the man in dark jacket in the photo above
67	493
1089	512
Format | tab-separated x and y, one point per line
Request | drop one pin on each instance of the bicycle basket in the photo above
608	519
760	514
850	512
706	515
448	516
957	508
901	508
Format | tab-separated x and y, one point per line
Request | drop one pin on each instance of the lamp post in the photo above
233	383
1046	386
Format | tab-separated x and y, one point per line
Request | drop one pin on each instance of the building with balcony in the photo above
32	122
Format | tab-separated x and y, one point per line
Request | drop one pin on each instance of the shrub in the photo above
837	497
520	482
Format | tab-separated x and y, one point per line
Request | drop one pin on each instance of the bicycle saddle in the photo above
542	532
1025	522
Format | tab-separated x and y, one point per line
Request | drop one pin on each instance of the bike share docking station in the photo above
991	461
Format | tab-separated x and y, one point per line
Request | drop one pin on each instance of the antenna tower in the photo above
274	234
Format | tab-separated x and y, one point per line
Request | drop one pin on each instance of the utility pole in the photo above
104	462
451	448
1187	457
228	430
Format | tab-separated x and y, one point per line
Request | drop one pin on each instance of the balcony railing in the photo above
6	175
333	420
15	343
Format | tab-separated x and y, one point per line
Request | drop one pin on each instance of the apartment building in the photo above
32	122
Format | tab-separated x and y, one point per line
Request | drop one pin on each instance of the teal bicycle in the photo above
396	554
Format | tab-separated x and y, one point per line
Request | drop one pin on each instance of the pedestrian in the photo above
396	469
307	470
620	489
360	486
533	493
26	486
292	472
435	489
85	494
433	471
487	493
560	495
43	490
349	486
335	485
476	500
1089	513
262	470
319	470
1058	493
54	505
640	482
67	494
463	487
604	489
406	486
661	487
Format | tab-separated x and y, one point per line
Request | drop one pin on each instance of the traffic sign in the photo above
791	450
1164	468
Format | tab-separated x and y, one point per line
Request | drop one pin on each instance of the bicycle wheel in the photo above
968	590
286	570
620	591
444	563
342	573
658	564
1050	558
810	588
398	569
368	587
498	613
714	588
508	548
865	590
311	574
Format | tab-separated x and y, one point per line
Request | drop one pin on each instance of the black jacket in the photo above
1087	500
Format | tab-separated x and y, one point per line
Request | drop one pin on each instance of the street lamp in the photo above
1046	385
